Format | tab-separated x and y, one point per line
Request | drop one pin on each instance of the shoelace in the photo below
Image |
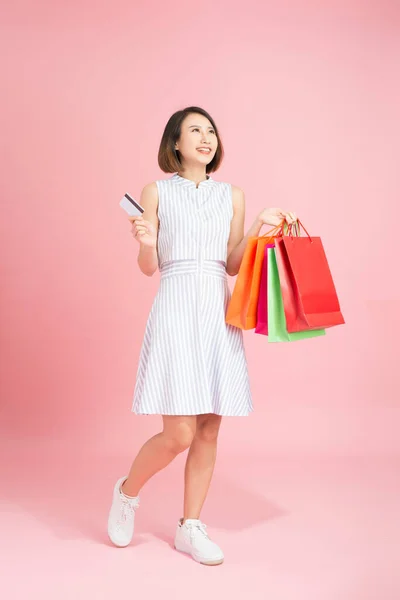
127	510
202	527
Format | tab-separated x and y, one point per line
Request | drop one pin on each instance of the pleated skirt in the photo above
191	361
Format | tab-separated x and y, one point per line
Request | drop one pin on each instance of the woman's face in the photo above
197	132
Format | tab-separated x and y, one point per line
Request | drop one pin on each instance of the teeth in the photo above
204	150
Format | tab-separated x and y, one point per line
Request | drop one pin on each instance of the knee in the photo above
207	432
180	438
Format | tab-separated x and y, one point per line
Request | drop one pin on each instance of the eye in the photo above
197	129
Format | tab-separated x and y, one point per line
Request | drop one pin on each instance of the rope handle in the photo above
296	225
285	229
273	232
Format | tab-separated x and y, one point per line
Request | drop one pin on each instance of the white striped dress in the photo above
191	361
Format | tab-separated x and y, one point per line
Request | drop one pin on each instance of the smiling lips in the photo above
204	150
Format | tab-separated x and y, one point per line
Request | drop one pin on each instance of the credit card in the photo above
131	206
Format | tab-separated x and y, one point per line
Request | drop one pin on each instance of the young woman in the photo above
192	366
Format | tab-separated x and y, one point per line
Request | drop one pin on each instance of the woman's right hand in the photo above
143	231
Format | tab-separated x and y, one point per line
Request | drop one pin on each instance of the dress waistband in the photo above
213	268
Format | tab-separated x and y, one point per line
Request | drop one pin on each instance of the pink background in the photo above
306	96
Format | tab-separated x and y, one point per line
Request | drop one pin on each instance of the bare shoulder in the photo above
149	193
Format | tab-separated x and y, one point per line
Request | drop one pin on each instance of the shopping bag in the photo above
277	330
242	308
309	295
262	306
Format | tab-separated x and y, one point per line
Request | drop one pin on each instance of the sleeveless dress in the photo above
191	361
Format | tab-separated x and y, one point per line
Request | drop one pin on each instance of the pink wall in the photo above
307	100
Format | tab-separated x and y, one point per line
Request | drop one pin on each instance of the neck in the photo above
196	175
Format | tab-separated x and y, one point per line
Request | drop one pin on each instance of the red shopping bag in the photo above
262	305
309	295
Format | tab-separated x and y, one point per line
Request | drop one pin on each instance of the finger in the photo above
290	218
142	222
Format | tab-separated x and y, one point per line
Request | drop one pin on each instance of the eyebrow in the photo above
210	127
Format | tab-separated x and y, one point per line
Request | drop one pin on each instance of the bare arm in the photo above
237	240
147	257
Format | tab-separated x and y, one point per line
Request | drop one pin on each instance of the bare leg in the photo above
200	464
159	451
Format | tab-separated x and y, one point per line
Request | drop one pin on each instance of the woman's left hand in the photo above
275	216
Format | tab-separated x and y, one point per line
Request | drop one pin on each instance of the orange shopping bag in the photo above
242	307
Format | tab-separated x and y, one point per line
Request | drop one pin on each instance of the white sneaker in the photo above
191	537
121	519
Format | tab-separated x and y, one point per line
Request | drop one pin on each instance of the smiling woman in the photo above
192	366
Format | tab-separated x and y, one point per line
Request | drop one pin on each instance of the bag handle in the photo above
293	227
273	231
296	227
279	230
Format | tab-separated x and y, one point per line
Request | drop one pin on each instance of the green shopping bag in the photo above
277	331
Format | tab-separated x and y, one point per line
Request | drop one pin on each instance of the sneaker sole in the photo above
117	544
210	563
